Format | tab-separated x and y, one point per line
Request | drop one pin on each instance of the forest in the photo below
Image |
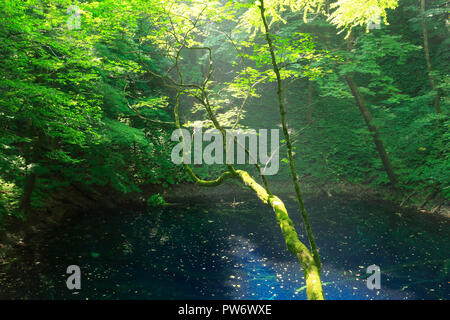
107	158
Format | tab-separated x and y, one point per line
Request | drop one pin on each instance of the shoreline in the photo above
73	202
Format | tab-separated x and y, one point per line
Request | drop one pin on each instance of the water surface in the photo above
223	250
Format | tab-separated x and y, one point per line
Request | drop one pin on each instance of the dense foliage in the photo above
75	103
86	105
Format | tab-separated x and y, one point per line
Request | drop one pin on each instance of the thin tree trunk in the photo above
276	69
30	180
25	200
31	155
373	130
426	50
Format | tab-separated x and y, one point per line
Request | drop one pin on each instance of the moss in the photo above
294	245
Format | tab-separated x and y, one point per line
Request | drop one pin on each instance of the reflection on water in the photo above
223	251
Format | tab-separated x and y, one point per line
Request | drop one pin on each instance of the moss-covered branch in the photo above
310	267
294	245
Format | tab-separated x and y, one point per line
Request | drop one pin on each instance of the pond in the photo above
235	250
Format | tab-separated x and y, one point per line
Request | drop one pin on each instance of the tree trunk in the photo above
310	269
373	130
25	200
276	69
31	155
426	50
30	180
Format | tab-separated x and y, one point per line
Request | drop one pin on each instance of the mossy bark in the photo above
294	245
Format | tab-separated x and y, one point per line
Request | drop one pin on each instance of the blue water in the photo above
235	251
